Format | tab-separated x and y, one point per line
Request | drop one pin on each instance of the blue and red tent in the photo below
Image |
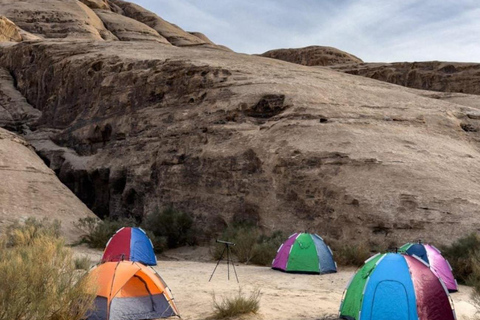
130	244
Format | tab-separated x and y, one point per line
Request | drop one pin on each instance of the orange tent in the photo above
130	290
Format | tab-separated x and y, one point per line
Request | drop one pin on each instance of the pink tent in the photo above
433	257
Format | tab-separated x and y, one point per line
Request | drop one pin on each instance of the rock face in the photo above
127	29
55	19
433	75
15	112
31	189
313	56
172	33
130	126
9	31
430	75
97	4
109	20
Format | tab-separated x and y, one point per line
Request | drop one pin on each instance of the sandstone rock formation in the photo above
127	29
9	31
132	125
201	36
430	75
15	112
97	4
172	33
28	188
135	125
55	19
313	56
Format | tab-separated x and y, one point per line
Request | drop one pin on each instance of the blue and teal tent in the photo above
396	287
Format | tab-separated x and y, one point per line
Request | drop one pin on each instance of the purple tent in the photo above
304	253
437	263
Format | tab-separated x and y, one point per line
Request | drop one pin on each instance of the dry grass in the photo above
351	254
82	263
462	254
236	305
38	279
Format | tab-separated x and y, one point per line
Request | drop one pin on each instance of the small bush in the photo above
245	243
23	234
266	248
97	232
351	254
175	227
237	305
462	256
38	279
82	263
251	246
474	279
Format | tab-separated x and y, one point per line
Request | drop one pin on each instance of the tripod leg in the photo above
218	262
234	270
228	262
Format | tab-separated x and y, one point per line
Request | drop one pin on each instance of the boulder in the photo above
9	31
127	29
313	56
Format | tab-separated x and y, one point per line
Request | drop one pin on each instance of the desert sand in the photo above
284	296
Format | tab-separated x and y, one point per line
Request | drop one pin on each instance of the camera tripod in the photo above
229	252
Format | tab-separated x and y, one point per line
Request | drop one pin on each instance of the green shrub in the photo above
350	254
38	279
96	233
461	255
82	263
251	246
236	305
175	227
245	243
266	248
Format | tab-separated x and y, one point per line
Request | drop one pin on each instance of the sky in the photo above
373	30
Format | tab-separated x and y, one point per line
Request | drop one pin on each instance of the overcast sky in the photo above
373	30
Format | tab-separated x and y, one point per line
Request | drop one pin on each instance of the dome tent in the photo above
433	257
304	253
130	244
396	286
129	290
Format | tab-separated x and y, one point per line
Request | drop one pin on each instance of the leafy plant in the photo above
462	255
175	227
96	233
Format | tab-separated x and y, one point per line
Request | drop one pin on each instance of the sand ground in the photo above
284	296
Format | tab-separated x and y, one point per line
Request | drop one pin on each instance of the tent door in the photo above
136	302
390	301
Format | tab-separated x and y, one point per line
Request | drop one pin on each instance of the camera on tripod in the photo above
227	250
225	242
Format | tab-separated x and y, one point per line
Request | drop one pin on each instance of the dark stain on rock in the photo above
268	106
